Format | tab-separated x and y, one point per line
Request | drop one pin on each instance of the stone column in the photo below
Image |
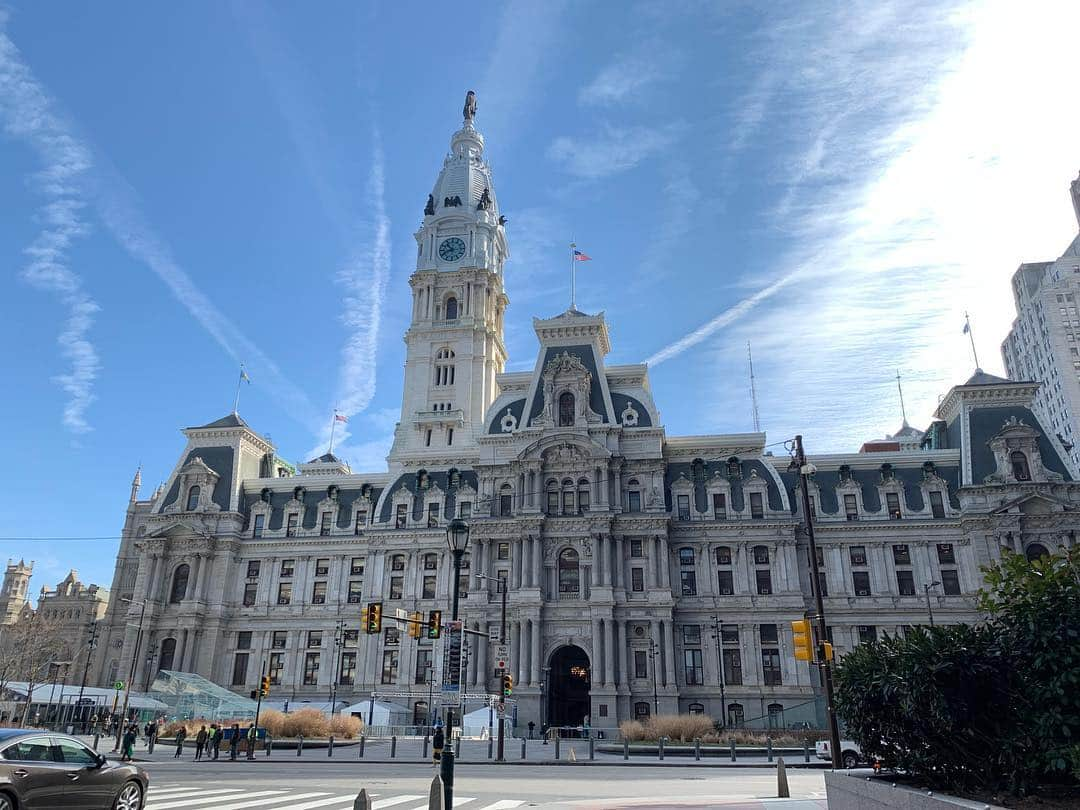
609	652
515	648
656	562
597	662
534	670
668	629
206	572
665	568
474	567
538	563
185	636
622	639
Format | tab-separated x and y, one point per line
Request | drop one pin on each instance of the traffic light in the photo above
508	685
264	686
416	624
434	624
374	617
804	640
364	616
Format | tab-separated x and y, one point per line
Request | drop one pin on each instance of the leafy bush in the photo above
990	706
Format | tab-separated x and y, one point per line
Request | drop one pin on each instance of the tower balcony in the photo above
430	419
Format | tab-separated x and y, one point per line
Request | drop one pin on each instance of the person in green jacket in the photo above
129	744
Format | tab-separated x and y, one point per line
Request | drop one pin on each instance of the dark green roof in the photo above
231	421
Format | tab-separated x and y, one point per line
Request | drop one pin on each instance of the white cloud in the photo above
27	113
614	149
628	76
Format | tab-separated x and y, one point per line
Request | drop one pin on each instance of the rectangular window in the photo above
867	633
427	438
851	507
691	634
429	588
684	507
276	668
356	590
937	505
861	581
287	567
761	555
253	568
945	554
641	665
822	584
432	515
389	666
950	581
689	583
633	500
324	523
318	593
251	590
397	584
764	582
769	635
733	667
729	634
568	501
636	548
399	518
322	567
723	555
431	562
553	502
257	528
392	636
465	510
239	671
686	556
503	551
506	505
449	436
290	528
770	667
858	555
463	586
243	640
582	500
314	638
719	506
278	639
892	502
905	581
356	567
347	673
361	522
727	583
692	666
311	669
423	665
757	510
351	638
284	593
901	554
637	580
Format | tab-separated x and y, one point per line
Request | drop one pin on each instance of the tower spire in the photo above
136	482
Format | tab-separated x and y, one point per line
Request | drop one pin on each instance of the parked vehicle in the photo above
850	753
44	771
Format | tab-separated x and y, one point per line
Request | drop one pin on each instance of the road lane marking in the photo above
503	804
349	800
393	800
185	802
291	797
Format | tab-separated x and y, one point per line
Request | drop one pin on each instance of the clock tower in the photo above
454	344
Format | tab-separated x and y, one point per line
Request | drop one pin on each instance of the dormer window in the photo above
1020	469
193	498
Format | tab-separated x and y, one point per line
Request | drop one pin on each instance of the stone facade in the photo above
644	572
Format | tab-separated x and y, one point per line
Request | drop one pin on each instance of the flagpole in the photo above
333	425
236	402
573	274
971	336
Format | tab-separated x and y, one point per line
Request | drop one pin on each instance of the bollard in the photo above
523	748
782	791
393	746
300	745
733	750
806	750
363	740
96	738
434	801
556	746
491	743
446	771
768	747
660	748
330	747
424	757
592	748
697	749
625	749
363	801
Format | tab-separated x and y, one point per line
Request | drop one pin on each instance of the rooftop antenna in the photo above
900	388
753	390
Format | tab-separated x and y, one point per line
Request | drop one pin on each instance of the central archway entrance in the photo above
568	694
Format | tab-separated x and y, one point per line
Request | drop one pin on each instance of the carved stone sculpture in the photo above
429	209
469	111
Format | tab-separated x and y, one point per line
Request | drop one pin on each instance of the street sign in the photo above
118	685
401	613
502	655
493	635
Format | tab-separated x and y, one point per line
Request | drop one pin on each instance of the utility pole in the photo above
805	470
131	674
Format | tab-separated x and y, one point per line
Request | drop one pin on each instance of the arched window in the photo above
776	715
569	572
633	495
582	495
641	710
444	366
553	497
695	708
1035	551
735	715
451	309
566	409
193	498
567	497
420	708
168	654
1020	469
179	584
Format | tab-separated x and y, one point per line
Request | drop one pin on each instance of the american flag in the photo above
581	257
339	418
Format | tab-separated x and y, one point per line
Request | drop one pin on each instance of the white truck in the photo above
850	753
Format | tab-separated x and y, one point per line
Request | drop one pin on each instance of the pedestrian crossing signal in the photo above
371	618
508	685
434	627
264	686
804	640
416	624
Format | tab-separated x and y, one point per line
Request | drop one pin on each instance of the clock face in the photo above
452	249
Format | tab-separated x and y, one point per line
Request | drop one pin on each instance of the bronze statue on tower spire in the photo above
470	107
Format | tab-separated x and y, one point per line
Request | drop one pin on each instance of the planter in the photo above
855	790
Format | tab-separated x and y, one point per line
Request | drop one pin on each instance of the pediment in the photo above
564	448
199	467
178	528
1035	504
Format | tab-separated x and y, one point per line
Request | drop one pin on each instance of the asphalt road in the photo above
332	785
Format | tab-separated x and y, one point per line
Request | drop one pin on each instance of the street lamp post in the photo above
339	632
131	674
544	686
91	645
654	654
718	627
457	538
926	591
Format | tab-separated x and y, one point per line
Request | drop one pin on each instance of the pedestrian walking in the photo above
252	737
215	739
129	743
234	742
438	740
181	735
200	743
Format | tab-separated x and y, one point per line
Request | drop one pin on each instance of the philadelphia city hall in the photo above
644	573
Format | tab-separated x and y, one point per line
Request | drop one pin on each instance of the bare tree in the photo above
26	650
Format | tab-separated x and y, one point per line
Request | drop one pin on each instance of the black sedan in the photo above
40	770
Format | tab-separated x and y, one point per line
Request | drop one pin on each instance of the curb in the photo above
533	763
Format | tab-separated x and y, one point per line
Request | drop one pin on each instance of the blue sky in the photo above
188	186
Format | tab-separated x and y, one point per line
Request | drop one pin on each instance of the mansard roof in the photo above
980	377
233	420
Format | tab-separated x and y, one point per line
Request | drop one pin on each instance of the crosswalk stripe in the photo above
504	804
348	800
392	801
156	791
187	801
263	802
